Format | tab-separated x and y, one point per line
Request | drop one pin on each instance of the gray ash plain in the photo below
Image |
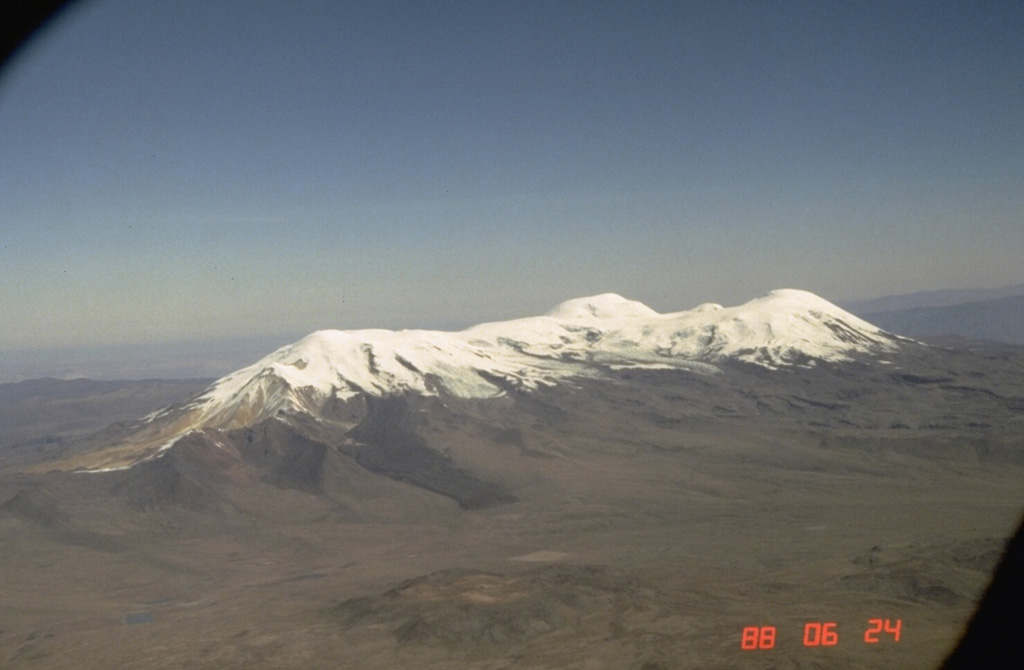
640	520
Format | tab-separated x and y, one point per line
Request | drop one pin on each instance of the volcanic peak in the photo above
584	337
580	337
604	306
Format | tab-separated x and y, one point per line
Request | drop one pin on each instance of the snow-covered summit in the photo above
604	306
581	337
584	337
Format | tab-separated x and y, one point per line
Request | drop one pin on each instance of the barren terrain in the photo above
641	522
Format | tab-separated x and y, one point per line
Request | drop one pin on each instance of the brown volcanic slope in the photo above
39	418
637	522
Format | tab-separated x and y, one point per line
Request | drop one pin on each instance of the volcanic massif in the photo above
601	486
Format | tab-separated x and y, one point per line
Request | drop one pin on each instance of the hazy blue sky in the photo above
176	170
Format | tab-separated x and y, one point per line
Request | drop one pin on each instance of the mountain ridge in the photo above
600	330
933	298
998	320
587	337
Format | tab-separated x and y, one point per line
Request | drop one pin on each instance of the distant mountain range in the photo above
942	298
1001	320
986	314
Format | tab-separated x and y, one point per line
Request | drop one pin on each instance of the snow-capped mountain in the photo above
581	336
584	337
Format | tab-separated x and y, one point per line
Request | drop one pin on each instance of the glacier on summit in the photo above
580	337
583	337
